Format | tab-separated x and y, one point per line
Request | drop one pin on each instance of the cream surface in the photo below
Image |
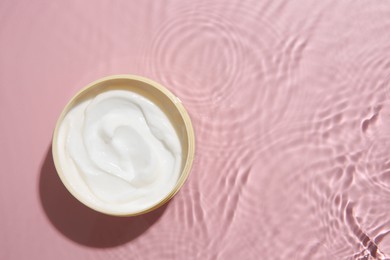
119	151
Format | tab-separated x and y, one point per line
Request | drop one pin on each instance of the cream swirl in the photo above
124	147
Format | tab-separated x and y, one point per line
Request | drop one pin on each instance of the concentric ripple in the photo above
202	49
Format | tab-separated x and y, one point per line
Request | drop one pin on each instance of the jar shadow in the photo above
82	224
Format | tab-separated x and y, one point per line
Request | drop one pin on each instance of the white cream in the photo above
119	151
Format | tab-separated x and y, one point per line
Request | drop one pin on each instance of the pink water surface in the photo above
291	107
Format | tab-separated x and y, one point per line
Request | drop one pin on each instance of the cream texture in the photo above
119	151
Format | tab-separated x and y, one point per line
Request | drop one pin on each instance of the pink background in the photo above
290	104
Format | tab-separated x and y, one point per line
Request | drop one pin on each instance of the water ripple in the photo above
292	118
202	49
